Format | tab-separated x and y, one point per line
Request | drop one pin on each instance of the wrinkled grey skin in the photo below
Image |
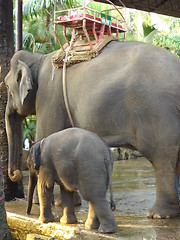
129	95
75	159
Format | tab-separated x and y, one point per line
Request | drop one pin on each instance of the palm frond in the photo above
29	41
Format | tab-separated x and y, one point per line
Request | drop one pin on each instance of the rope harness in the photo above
65	61
65	94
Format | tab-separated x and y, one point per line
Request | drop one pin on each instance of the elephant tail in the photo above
109	166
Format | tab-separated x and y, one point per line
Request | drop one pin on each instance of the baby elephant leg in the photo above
69	216
45	191
105	215
92	221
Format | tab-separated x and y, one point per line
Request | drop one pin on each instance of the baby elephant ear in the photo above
37	155
24	79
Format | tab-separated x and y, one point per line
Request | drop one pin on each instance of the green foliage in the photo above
169	35
44	39
38	22
147	29
34	8
156	29
150	37
29	128
29	41
171	42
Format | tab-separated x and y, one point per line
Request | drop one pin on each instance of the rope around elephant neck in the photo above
65	90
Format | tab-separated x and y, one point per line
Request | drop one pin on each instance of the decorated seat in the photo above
90	26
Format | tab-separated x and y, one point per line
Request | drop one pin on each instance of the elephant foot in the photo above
43	219
110	228
70	219
92	224
13	190
165	212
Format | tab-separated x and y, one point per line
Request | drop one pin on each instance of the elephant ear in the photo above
24	79
37	155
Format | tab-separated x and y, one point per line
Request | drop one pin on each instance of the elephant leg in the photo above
105	216
77	199
167	199
45	192
92	221
69	216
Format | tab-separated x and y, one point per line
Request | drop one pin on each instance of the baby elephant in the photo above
75	159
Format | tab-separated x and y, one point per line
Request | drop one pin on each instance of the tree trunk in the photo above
18	25
11	189
4	231
6	52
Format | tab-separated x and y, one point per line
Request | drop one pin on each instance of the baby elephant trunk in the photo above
109	166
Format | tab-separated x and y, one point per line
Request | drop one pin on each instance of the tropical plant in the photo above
38	24
29	129
170	41
154	28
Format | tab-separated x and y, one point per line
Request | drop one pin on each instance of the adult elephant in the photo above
129	95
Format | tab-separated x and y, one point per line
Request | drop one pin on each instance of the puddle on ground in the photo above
134	193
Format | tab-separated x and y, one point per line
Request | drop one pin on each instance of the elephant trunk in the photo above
31	187
15	145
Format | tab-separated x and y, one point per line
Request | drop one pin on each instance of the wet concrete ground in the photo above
134	191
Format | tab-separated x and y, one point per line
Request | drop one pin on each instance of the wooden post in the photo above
18	25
